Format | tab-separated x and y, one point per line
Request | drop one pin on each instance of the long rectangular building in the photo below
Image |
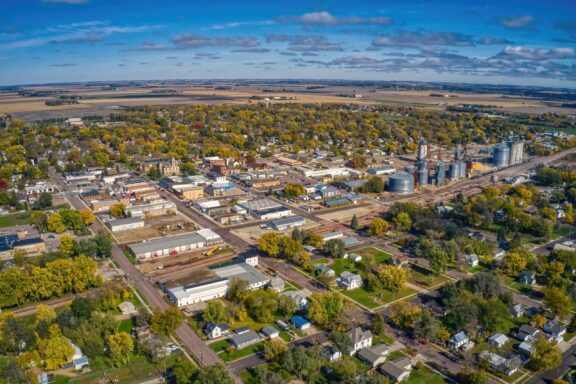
174	245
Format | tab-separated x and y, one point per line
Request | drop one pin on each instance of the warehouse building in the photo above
266	209
152	209
377	171
12	242
125	224
287	223
173	245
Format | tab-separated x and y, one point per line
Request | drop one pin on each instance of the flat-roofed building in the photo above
196	293
166	246
287	223
152	209
189	192
244	271
119	225
10	243
377	171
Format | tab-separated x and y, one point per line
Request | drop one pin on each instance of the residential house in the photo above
214	331
359	339
276	284
555	329
526	348
374	355
244	339
298	297
350	281
330	353
526	333
517	310
323	269
269	332
458	340
398	370
498	340
471	259
127	308
507	366
527	278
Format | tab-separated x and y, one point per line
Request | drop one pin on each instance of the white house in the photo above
214	331
471	259
498	340
350	281
458	340
298	297
359	339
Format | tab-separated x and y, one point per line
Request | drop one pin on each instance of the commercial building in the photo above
377	171
331	172
10	243
189	193
119	225
171	245
266	209
165	167
39	187
152	209
287	223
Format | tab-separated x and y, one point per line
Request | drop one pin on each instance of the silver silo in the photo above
501	156
401	182
440	172
454	171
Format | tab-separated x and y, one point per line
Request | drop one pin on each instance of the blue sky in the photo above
524	42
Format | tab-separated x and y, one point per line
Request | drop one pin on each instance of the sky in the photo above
527	42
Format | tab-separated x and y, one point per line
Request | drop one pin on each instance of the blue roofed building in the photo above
300	322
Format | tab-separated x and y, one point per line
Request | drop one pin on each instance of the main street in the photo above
193	344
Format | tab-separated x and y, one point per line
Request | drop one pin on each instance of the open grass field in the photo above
15	219
372	299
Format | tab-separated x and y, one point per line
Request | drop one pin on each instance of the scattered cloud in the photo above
149	46
324	19
517	22
85	37
526	53
171	57
493	41
406	39
305	43
63	65
235	24
250	50
206	55
188	41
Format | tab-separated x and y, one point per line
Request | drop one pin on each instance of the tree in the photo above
43	201
298	361
103	244
539	320
45	313
515	263
342	342
214	374
286	305
335	248
184	371
166	322
378	227
373	185
297	235
119	347
545	355
354	223
393	277
215	312
404	314
118	210
292	249
274	348
313	239
55	351
55	224
494	315
325	308
438	260
344	371
425	326
66	245
558	301
378	325
402	221
477	377
269	243
238	290
293	190
87	216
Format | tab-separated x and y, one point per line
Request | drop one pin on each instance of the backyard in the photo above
15	219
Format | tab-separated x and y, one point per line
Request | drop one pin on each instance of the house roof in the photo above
269	331
244	338
459	337
499	338
357	334
392	370
372	354
299	321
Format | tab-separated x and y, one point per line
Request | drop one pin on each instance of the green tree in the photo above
402	221
214	374
558	301
354	223
286	305
378	325
545	355
184	371
215	312
238	290
297	235
438	260
43	201
373	185
335	248
119	347
118	210
393	277
66	245
378	227
269	243
274	348
55	351
166	322
325	308
55	224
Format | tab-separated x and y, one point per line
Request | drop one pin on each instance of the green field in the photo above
379	255
237	354
372	299
425	376
15	219
424	277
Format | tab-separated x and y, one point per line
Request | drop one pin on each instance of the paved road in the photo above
194	345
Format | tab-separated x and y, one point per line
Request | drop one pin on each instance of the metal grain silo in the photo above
440	172
516	152
401	182
501	156
463	169
455	171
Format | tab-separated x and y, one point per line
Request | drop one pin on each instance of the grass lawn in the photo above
371	299
380	256
15	219
478	268
137	371
237	354
341	265
424	277
424	376
126	325
285	336
361	365
219	346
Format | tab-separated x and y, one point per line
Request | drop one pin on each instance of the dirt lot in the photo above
252	234
157	227
346	215
188	277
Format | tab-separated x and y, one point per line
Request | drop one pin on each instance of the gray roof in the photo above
269	331
373	353
242	271
391	370
287	221
357	334
244	338
166	242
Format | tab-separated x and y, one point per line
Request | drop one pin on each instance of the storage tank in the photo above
501	156
440	172
463	169
423	176
516	152
455	170
410	169
401	182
